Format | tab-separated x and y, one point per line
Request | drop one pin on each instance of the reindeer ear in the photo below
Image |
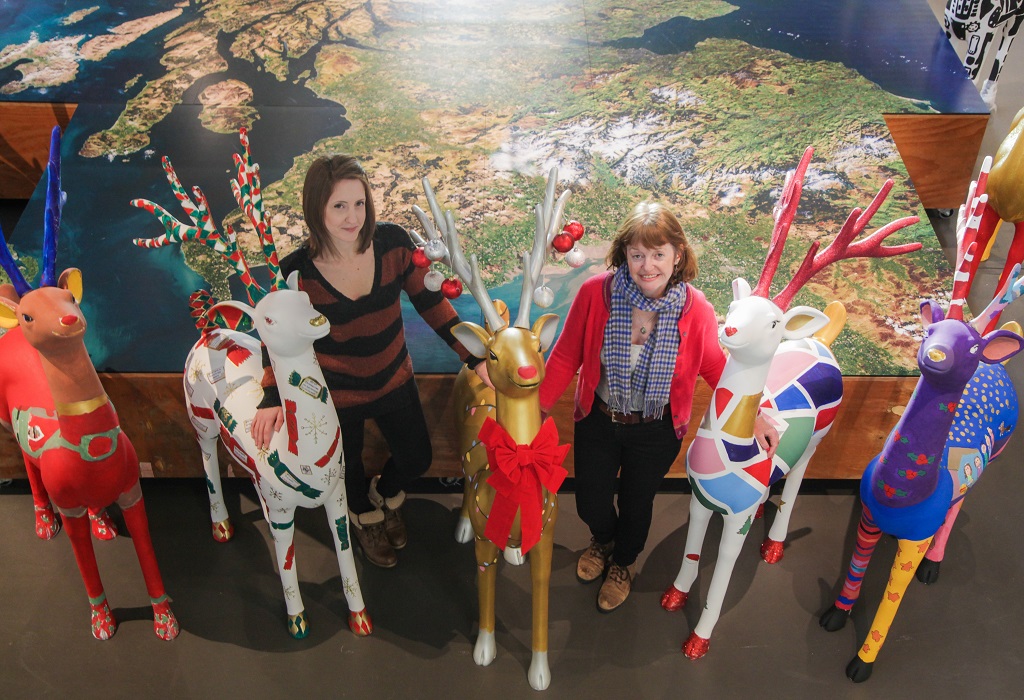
473	337
740	289
802	322
930	313
8	313
71	280
544	328
1000	346
293	281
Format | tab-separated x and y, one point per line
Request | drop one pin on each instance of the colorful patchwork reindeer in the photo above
75	452
1003	181
798	386
960	416
303	465
515	497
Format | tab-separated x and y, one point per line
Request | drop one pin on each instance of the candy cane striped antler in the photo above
55	199
842	247
248	194
968	223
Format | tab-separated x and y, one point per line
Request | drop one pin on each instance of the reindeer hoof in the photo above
298	625
360	623
103	623
928	571
834	619
539	674
165	625
47	523
464	530
696	647
858	670
514	556
102	526
223	531
484	650
673	599
771	551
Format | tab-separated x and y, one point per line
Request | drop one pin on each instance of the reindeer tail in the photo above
201	303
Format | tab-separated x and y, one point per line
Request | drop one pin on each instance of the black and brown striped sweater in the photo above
364	359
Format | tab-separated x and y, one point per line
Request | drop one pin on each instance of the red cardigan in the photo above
579	349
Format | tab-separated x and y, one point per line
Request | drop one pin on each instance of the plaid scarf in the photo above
652	377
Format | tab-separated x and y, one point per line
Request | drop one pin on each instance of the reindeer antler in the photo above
246	188
548	224
453	256
968	223
842	247
55	199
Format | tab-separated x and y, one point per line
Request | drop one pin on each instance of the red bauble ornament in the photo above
575	229
451	288
563	242
420	259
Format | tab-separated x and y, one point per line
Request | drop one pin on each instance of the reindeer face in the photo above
50	316
515	362
288	324
753	329
950	352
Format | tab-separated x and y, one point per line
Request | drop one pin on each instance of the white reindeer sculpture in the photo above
515	501
303	465
798	386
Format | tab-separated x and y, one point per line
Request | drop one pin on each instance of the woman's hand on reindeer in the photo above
481	371
766	434
266	422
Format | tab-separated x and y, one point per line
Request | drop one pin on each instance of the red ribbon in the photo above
519	475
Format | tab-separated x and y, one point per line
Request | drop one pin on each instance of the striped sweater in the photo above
365	359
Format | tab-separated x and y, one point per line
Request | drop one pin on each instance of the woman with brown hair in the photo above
639	335
354	269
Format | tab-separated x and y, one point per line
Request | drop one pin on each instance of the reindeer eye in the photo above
26	318
494	358
269	321
774	323
974	350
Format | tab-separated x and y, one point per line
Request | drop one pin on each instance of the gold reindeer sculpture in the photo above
514	502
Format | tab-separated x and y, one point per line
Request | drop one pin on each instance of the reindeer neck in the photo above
520	417
908	467
300	379
742	384
73	382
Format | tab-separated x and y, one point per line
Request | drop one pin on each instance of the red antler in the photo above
843	247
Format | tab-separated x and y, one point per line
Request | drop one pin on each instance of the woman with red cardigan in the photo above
639	336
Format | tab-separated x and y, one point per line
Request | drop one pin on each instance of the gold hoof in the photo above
223	531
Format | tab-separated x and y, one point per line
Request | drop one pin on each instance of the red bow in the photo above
520	473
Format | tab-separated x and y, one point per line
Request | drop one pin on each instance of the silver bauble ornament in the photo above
575	257
432	280
435	250
543	296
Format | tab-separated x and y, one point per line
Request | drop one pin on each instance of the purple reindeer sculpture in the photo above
960	416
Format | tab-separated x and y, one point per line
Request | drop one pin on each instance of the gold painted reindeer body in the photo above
513	502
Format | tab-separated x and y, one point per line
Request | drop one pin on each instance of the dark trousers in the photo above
643	452
405	432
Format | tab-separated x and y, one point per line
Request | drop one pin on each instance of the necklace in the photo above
644	330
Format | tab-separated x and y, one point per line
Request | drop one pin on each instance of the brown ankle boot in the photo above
593	561
394	523
616	587
373	538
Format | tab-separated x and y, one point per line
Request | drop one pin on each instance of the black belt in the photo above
631	418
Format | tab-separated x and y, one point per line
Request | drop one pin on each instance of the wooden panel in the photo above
152	414
25	143
940	151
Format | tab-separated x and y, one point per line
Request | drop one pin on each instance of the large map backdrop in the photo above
698	103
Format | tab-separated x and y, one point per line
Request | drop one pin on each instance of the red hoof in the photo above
47	523
165	625
223	530
760	512
771	551
360	623
695	647
673	599
103	623
102	526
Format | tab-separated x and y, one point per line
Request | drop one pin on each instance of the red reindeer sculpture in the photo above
67	429
798	386
515	501
961	415
302	468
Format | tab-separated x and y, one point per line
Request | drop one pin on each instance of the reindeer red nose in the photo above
68	320
528	372
730	331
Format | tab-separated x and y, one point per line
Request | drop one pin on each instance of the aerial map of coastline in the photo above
701	104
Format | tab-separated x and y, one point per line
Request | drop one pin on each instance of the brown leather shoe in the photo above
394	523
616	587
373	538
593	561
